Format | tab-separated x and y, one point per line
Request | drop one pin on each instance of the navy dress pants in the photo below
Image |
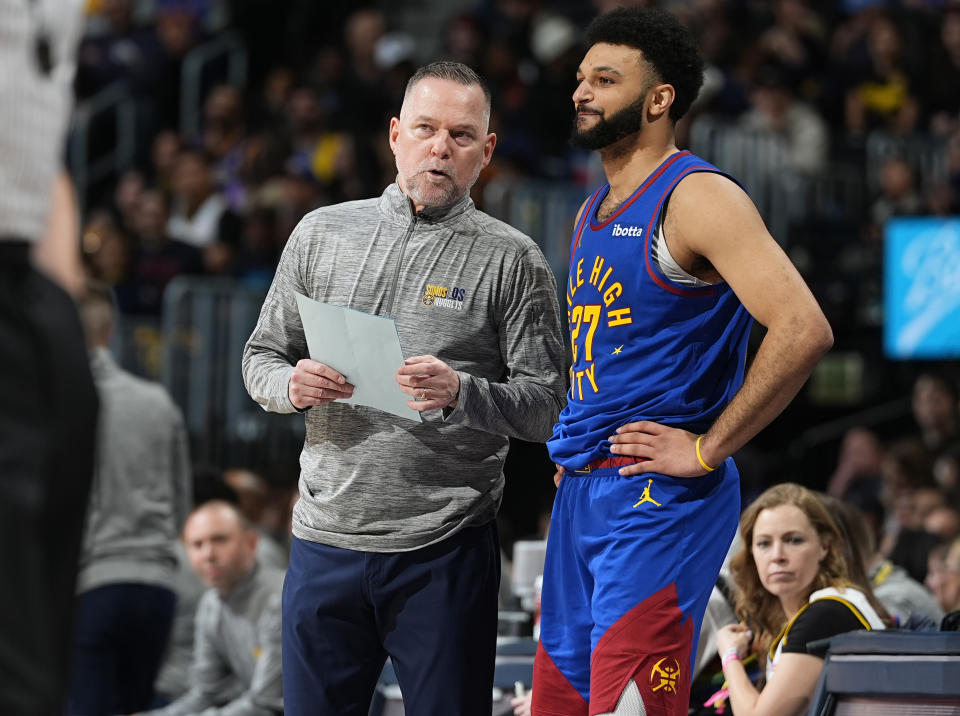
121	634
432	610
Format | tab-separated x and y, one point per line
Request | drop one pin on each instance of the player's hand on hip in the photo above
314	383
666	450
430	383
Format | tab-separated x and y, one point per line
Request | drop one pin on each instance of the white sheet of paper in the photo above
363	347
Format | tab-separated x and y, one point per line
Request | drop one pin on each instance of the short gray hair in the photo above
453	71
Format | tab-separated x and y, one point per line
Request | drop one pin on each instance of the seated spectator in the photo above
236	666
936	410
797	39
140	497
941	99
906	467
936	572
898	194
126	198
946	472
108	258
164	151
911	551
882	93
794	588
224	139
905	599
120	52
200	215
157	259
944	522
777	109
925	501
858	466
174	678
949	588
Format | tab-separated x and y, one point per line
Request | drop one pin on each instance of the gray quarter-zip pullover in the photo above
462	286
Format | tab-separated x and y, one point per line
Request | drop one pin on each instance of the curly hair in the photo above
754	604
667	45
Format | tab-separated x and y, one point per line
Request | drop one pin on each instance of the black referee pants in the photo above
48	410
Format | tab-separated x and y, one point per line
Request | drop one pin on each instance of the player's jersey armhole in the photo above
654	230
663	260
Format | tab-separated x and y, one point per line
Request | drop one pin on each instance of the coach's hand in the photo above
666	450
430	382
314	383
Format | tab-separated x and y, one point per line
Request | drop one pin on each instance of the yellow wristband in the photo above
700	459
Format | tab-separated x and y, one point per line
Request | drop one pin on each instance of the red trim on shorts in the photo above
650	644
553	694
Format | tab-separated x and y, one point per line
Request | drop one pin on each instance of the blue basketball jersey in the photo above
644	347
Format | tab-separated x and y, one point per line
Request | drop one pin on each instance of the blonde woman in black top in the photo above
795	587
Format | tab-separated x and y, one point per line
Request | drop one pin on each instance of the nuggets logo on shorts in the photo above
664	675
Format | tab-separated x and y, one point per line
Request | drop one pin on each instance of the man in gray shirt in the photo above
395	549
236	656
140	497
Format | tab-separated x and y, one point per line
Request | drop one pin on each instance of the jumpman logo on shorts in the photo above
645	495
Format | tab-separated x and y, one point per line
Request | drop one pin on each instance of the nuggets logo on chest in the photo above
443	296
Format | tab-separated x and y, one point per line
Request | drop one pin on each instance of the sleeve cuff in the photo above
286	405
458	414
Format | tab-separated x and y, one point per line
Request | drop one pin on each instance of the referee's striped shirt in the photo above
34	108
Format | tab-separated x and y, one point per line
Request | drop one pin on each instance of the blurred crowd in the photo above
909	489
309	127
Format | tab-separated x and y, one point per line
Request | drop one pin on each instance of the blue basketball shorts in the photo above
630	565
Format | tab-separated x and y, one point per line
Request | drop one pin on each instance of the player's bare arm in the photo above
714	231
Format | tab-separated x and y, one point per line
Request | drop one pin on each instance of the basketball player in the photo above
670	263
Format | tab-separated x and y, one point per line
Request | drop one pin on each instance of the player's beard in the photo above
610	130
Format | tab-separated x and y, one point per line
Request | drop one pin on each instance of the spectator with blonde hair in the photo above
795	587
